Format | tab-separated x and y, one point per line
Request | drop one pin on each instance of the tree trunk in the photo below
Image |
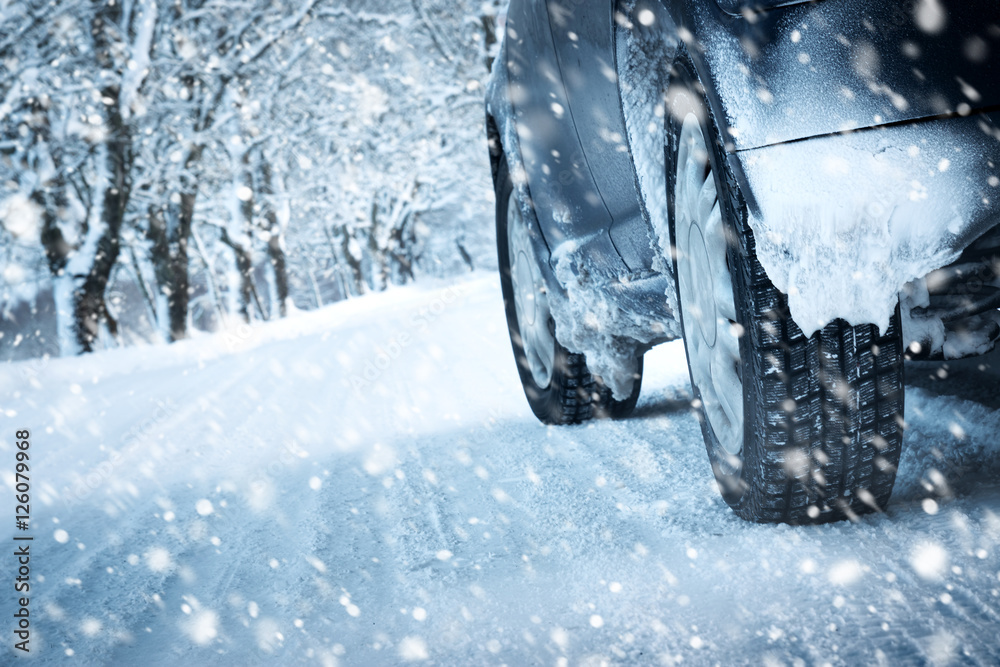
338	271
489	22
141	281
466	257
91	307
210	276
315	285
379	270
156	232
401	250
244	266
169	232
243	253
51	198
180	294
277	256
173	270
275	243
57	252
353	264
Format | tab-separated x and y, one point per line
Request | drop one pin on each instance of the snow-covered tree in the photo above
209	160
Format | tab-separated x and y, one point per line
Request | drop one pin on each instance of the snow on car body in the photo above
821	159
867	134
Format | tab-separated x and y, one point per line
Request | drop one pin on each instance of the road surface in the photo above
366	485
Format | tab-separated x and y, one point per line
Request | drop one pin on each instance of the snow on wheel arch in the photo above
842	223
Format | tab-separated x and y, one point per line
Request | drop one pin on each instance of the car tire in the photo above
811	428
557	383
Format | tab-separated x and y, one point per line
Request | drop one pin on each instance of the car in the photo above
805	192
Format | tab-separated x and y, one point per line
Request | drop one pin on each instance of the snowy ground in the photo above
290	494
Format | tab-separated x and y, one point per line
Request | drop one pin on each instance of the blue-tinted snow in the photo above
365	484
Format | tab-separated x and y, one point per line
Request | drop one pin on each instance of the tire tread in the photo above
848	402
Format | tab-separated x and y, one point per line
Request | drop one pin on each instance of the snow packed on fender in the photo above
843	222
867	139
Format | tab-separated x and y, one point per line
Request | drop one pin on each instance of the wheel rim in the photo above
711	332
530	300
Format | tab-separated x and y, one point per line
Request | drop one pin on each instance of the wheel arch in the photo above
692	53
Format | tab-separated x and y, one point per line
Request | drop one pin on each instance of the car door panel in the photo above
584	40
568	202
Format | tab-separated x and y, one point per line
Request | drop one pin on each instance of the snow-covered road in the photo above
365	485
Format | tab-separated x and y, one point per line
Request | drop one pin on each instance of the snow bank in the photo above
240	338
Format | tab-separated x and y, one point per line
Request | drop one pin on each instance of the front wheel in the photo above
797	429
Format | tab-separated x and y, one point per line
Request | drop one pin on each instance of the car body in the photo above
951	88
862	140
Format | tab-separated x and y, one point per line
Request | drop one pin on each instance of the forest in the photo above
169	168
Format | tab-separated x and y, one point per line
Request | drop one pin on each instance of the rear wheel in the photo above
557	383
797	429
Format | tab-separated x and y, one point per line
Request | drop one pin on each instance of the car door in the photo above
568	202
583	35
